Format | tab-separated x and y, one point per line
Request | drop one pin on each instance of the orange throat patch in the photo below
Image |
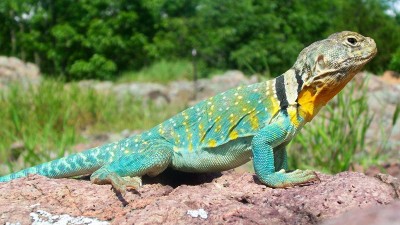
312	99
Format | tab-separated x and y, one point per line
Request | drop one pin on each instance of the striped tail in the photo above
83	163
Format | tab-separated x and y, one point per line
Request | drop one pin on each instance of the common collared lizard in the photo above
227	130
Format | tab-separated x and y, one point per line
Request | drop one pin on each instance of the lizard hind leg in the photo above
126	171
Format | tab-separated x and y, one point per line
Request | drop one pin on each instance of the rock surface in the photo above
389	168
15	70
385	215
228	198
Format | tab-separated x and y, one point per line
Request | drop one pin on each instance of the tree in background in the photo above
101	38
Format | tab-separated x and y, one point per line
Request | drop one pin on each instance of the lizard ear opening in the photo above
320	63
319	66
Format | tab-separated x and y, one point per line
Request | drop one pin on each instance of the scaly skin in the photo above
226	130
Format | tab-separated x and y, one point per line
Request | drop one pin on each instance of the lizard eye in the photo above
352	41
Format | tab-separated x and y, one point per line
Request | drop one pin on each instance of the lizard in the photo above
253	122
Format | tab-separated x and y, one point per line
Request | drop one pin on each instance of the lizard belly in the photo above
220	158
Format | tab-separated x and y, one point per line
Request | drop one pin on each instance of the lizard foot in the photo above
119	183
281	179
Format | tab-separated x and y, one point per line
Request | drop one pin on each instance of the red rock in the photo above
236	198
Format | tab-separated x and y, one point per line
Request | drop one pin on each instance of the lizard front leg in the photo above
127	170
263	157
280	157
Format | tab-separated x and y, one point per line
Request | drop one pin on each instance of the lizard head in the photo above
328	65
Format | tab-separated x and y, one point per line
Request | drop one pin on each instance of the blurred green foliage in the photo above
395	61
161	72
103	38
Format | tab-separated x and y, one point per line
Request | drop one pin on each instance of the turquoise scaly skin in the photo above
227	130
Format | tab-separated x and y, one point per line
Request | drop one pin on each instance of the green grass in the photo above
335	139
161	72
49	119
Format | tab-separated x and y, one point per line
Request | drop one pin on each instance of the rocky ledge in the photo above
227	198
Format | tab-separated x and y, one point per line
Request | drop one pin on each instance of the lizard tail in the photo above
73	165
